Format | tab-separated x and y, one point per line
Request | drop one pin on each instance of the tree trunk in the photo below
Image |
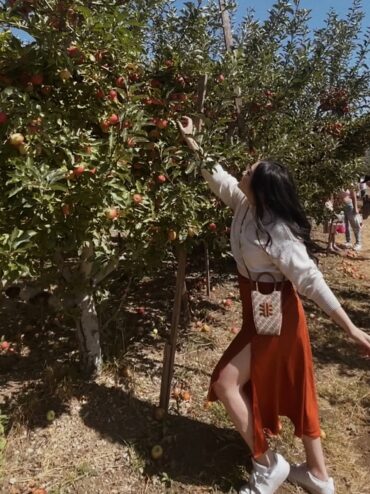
88	333
87	322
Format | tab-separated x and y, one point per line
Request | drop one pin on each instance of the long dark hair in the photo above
276	198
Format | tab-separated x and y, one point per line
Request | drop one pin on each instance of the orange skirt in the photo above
282	379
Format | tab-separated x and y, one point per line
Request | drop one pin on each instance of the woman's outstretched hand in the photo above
356	334
361	338
186	128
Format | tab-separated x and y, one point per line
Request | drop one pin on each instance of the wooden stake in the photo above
181	290
226	24
186	311
170	347
202	89
208	277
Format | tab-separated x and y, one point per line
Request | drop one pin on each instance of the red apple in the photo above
4	345
227	302
137	198
134	77
161	123
155	83
3	118
212	227
140	310
99	94
112	95
37	79
120	81
221	78
178	97
169	63
113	119
73	51
112	213
157	101
161	179
78	170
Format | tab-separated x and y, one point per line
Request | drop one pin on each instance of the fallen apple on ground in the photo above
157	452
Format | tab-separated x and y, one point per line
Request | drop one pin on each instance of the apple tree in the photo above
72	129
306	95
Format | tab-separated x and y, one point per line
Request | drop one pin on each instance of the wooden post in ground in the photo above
208	276
181	290
226	25
202	89
170	347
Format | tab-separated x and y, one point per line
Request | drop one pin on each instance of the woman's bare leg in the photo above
229	390
315	457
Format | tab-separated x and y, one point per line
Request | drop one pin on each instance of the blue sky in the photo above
319	9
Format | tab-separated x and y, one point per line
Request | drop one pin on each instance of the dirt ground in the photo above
101	438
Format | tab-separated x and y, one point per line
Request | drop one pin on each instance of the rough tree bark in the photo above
87	322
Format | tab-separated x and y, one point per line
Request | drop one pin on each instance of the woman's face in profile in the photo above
244	184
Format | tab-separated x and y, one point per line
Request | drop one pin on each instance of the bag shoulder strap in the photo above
245	264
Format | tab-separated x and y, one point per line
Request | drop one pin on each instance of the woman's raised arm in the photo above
222	183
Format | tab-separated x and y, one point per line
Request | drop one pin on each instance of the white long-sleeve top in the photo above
285	257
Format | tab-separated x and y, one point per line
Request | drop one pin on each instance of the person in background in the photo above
348	199
365	196
334	227
260	377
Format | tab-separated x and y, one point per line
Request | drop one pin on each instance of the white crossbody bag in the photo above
267	308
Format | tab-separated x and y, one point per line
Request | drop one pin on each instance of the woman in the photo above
261	377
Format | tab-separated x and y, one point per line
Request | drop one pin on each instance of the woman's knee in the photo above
235	375
227	383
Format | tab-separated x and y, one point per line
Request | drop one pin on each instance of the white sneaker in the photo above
348	245
357	247
300	475
264	480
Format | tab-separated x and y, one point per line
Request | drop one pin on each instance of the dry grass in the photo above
101	438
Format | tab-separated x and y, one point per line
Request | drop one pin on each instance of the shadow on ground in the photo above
194	452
